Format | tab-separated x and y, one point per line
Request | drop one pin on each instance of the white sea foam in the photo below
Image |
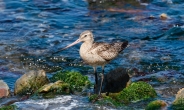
58	103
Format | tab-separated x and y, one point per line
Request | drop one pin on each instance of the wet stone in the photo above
58	87
157	105
4	89
30	82
116	80
178	103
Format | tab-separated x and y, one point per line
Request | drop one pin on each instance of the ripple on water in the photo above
9	77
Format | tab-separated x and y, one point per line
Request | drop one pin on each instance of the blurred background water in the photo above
30	30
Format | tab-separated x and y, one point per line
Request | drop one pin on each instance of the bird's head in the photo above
85	36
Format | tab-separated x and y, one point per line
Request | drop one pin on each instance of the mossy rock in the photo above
52	89
178	104
135	92
9	107
59	87
76	80
156	105
105	100
30	82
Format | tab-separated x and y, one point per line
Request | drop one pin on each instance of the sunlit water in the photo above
30	30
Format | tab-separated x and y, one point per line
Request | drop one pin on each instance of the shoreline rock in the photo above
52	89
4	89
115	80
30	82
156	105
178	103
77	82
136	91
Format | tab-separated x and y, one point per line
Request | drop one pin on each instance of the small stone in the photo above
4	89
52	89
156	105
151	17
46	87
163	16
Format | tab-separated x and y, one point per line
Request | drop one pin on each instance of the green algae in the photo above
137	91
156	105
9	107
76	80
178	104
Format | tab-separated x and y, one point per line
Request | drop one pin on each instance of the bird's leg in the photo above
102	78
96	80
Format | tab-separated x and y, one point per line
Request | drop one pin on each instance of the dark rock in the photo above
136	91
115	80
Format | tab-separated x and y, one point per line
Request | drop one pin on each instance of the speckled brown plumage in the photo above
108	51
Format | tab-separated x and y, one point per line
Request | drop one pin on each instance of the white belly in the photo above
90	56
93	59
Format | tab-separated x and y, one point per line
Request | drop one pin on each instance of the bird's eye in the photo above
85	36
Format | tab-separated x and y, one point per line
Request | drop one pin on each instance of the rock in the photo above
116	80
77	81
4	89
30	82
163	16
59	87
180	94
178	103
137	91
156	105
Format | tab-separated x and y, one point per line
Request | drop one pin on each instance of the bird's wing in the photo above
105	50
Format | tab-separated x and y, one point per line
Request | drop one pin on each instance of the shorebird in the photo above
97	53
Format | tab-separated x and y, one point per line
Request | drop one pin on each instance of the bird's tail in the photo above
120	46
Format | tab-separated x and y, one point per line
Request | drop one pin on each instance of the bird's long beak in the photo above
76	42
